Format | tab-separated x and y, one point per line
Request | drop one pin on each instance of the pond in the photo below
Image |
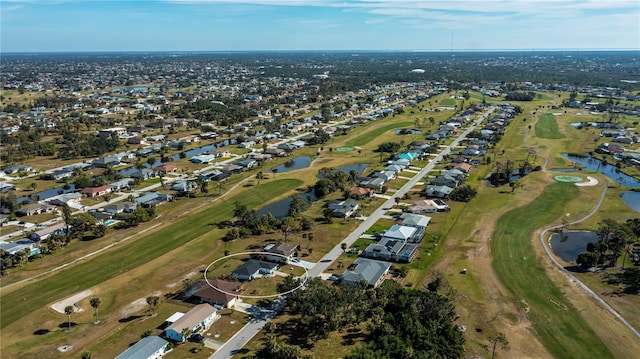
632	199
608	170
280	209
358	167
406	131
568	245
293	164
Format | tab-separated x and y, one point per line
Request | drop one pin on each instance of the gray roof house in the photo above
250	269
343	209
151	347
152	198
366	271
403	233
445	180
438	191
415	220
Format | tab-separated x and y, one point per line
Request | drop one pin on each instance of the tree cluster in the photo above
399	321
615	239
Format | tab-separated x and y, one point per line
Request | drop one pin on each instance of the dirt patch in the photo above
137	305
73	300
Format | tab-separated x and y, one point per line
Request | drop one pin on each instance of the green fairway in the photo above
368	136
562	330
547	127
127	257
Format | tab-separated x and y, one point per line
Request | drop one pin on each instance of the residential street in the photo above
245	334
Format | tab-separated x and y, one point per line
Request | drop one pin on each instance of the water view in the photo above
358	167
280	209
293	164
608	170
632	199
568	245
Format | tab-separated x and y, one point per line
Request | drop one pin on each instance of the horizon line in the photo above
323	50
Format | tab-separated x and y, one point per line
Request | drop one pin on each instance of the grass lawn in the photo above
103	267
448	102
558	324
547	127
368	136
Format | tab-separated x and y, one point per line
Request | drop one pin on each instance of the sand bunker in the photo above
591	182
59	306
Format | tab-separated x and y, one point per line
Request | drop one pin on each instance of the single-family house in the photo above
386	249
12	248
455	173
215	175
385	175
184	186
283	252
247	163
393	168
445	180
232	168
252	268
71	199
62	174
373	183
219	293
96	191
152	199
463	167
107	161
366	272
402	162
164	169
118	131
360	192
36	208
6	187
197	319
277	152
203	159
120	207
438	191
151	347
17	168
414	220
428	206
123	183
403	233
247	144
343	209
137	140
144	174
409	156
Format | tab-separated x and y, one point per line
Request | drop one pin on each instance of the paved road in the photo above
245	334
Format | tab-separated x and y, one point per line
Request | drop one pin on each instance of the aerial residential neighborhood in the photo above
311	203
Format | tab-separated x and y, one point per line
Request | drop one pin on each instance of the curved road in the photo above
244	335
573	277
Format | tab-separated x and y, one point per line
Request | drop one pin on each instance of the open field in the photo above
103	267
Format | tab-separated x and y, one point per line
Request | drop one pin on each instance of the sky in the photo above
290	25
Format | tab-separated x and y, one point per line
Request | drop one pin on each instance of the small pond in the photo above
280	209
568	245
293	164
406	131
608	170
632	199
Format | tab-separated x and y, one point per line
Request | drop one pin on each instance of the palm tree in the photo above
153	302
259	177
68	310
95	303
